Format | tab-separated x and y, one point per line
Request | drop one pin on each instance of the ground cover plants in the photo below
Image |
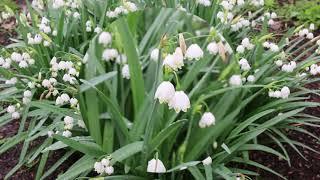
155	89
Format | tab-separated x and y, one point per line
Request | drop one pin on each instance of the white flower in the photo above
310	36
121	59
156	166
285	92
240	49
16	57
66	133
111	14
73	101
274	47
15	115
246	43
57	3
179	102
105	38
205	3
155	54
289	67
175	60
125	71
23	64
59	101
11	109
65	97
105	162
54	33
275	94
235	80
31	85
50	133
207	120
68	126
27	93
68	120
213	48
76	15
98	167
97	30
46	43
11	81
110	54
251	78
164	92
279	63
207	161
46	83
312	26
194	52
109	170
131	6
244	65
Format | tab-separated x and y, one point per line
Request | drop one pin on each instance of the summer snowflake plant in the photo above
185	89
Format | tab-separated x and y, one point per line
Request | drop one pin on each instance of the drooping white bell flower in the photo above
109	170
27	93
279	62
213	48
194	52
15	115
11	109
57	4
205	3
73	102
156	166
68	120
240	49
207	120
207	161
125	71
110	54
164	92
179	102
98	167
235	80
244	65
66	133
174	61
251	78
155	54
285	92
105	38
122	59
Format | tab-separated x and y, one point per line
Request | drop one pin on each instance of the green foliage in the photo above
5	4
303	11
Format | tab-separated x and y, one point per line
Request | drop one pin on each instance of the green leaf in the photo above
97	80
82	165
126	151
136	78
89	149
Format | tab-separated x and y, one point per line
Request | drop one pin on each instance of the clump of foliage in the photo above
301	12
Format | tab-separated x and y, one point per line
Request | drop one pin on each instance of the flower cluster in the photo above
104	166
245	44
176	100
123	9
283	93
12	110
